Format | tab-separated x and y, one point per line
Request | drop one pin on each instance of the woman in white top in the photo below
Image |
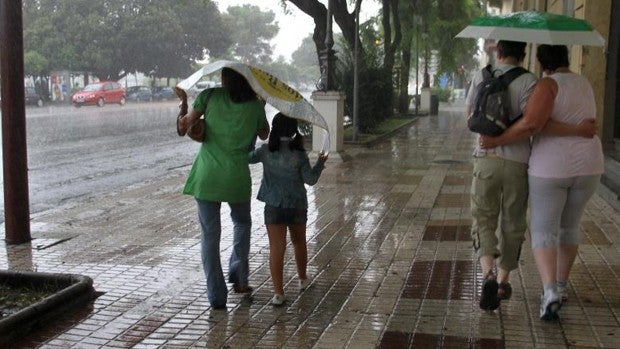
563	171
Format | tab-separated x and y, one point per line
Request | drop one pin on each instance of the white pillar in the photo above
425	100
330	104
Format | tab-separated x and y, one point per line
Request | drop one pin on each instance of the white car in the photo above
200	86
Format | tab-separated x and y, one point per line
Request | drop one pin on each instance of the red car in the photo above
99	94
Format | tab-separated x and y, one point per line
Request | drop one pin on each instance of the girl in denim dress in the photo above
286	168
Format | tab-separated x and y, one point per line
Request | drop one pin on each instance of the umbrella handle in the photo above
183	97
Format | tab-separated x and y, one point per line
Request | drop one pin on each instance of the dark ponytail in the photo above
284	126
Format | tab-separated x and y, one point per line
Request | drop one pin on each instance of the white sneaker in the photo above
278	300
550	304
303	284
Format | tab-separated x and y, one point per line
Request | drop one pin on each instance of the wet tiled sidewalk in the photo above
389	253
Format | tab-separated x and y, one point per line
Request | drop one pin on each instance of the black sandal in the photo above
504	291
242	288
489	299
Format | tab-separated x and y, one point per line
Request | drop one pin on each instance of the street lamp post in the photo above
417	21
327	56
327	101
425	95
356	83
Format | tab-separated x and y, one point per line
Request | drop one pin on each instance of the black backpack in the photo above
491	114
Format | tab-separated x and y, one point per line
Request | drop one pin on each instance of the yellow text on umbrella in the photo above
274	86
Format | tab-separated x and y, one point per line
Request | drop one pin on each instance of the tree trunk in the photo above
403	98
318	12
346	21
390	14
407	19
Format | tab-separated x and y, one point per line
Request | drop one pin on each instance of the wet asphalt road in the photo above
77	152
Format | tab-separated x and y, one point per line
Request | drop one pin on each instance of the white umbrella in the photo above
273	90
535	27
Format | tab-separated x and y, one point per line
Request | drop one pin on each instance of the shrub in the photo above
443	94
375	94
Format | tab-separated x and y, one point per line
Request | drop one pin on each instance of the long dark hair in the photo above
284	126
237	86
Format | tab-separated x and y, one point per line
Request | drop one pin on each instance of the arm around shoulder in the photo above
537	113
586	129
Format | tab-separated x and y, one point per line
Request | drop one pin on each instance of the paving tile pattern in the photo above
389	255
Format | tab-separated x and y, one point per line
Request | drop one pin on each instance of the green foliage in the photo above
283	71
35	63
305	62
251	30
371	40
305	55
375	91
110	38
449	19
443	94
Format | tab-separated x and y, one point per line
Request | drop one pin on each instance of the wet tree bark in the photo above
318	12
15	159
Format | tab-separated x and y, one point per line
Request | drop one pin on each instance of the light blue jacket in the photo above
284	173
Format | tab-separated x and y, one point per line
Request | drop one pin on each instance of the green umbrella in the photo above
534	27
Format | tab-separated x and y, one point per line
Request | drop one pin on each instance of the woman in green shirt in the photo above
220	173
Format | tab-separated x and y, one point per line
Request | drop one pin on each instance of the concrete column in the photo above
330	104
425	100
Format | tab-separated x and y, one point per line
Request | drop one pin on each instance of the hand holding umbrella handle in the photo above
181	129
183	97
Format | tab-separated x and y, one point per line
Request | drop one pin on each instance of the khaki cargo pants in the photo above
499	193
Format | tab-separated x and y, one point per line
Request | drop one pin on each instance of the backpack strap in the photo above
487	72
512	74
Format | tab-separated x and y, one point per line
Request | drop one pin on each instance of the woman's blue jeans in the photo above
238	269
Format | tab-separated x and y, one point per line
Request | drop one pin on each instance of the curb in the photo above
384	135
78	290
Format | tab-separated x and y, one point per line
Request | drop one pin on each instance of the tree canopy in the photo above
111	38
398	27
253	30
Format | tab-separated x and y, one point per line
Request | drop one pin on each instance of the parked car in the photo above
31	97
99	94
163	93
200	86
139	93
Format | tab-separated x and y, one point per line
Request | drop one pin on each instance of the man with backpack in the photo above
499	190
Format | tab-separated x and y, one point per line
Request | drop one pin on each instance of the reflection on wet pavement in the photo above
389	255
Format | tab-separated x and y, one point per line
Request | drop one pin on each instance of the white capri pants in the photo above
556	207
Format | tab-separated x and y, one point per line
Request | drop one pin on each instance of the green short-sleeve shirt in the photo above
220	171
